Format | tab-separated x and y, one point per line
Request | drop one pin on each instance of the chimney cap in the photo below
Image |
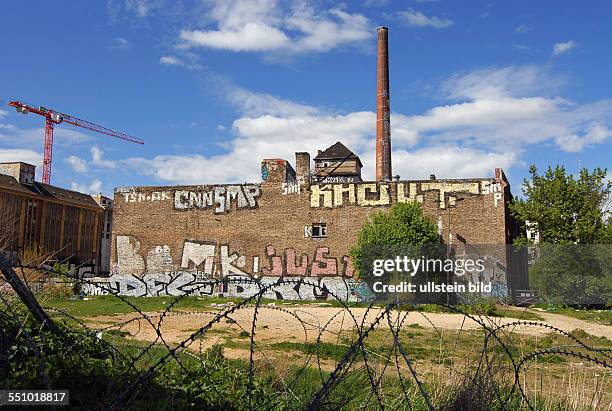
382	28
432	176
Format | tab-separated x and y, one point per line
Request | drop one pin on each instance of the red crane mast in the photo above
53	117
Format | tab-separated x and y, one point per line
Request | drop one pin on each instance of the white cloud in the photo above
280	137
270	25
417	19
375	3
170	61
495	82
450	162
3	113
250	37
78	164
257	104
140	6
322	33
522	29
97	160
94	187
27	156
34	137
484	113
176	61
264	136
121	44
521	47
134	8
492	116
563	48
498	107
595	134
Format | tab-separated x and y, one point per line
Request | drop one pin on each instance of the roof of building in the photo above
11	182
48	192
16	162
337	151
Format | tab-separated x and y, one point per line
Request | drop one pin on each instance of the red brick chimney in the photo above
383	124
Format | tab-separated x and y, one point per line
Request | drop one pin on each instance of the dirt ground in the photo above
289	323
304	323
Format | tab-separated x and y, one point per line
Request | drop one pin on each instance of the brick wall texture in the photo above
265	228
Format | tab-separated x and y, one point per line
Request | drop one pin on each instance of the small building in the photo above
66	224
337	164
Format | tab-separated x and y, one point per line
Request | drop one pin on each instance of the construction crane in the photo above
53	117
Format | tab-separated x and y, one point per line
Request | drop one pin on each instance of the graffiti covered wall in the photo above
208	268
167	239
217	260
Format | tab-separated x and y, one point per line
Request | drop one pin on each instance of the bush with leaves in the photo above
403	231
96	372
570	274
403	225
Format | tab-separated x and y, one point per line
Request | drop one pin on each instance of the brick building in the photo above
63	222
168	237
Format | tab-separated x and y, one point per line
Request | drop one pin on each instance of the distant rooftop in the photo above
48	192
16	162
337	151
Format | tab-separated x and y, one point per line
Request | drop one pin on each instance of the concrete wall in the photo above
23	172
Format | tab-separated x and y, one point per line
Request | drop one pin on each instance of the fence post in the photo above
26	296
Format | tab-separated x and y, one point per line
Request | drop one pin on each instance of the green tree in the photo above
404	225
565	210
608	232
573	274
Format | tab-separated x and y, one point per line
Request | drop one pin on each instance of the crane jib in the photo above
55	117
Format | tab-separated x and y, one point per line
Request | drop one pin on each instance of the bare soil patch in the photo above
304	323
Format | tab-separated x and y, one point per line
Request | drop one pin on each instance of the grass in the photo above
353	390
323	350
111	305
600	316
287	384
238	344
521	315
426	346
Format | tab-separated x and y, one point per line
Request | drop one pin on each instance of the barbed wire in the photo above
375	347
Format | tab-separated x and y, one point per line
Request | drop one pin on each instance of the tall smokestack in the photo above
383	123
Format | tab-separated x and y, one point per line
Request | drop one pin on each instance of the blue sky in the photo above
215	86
